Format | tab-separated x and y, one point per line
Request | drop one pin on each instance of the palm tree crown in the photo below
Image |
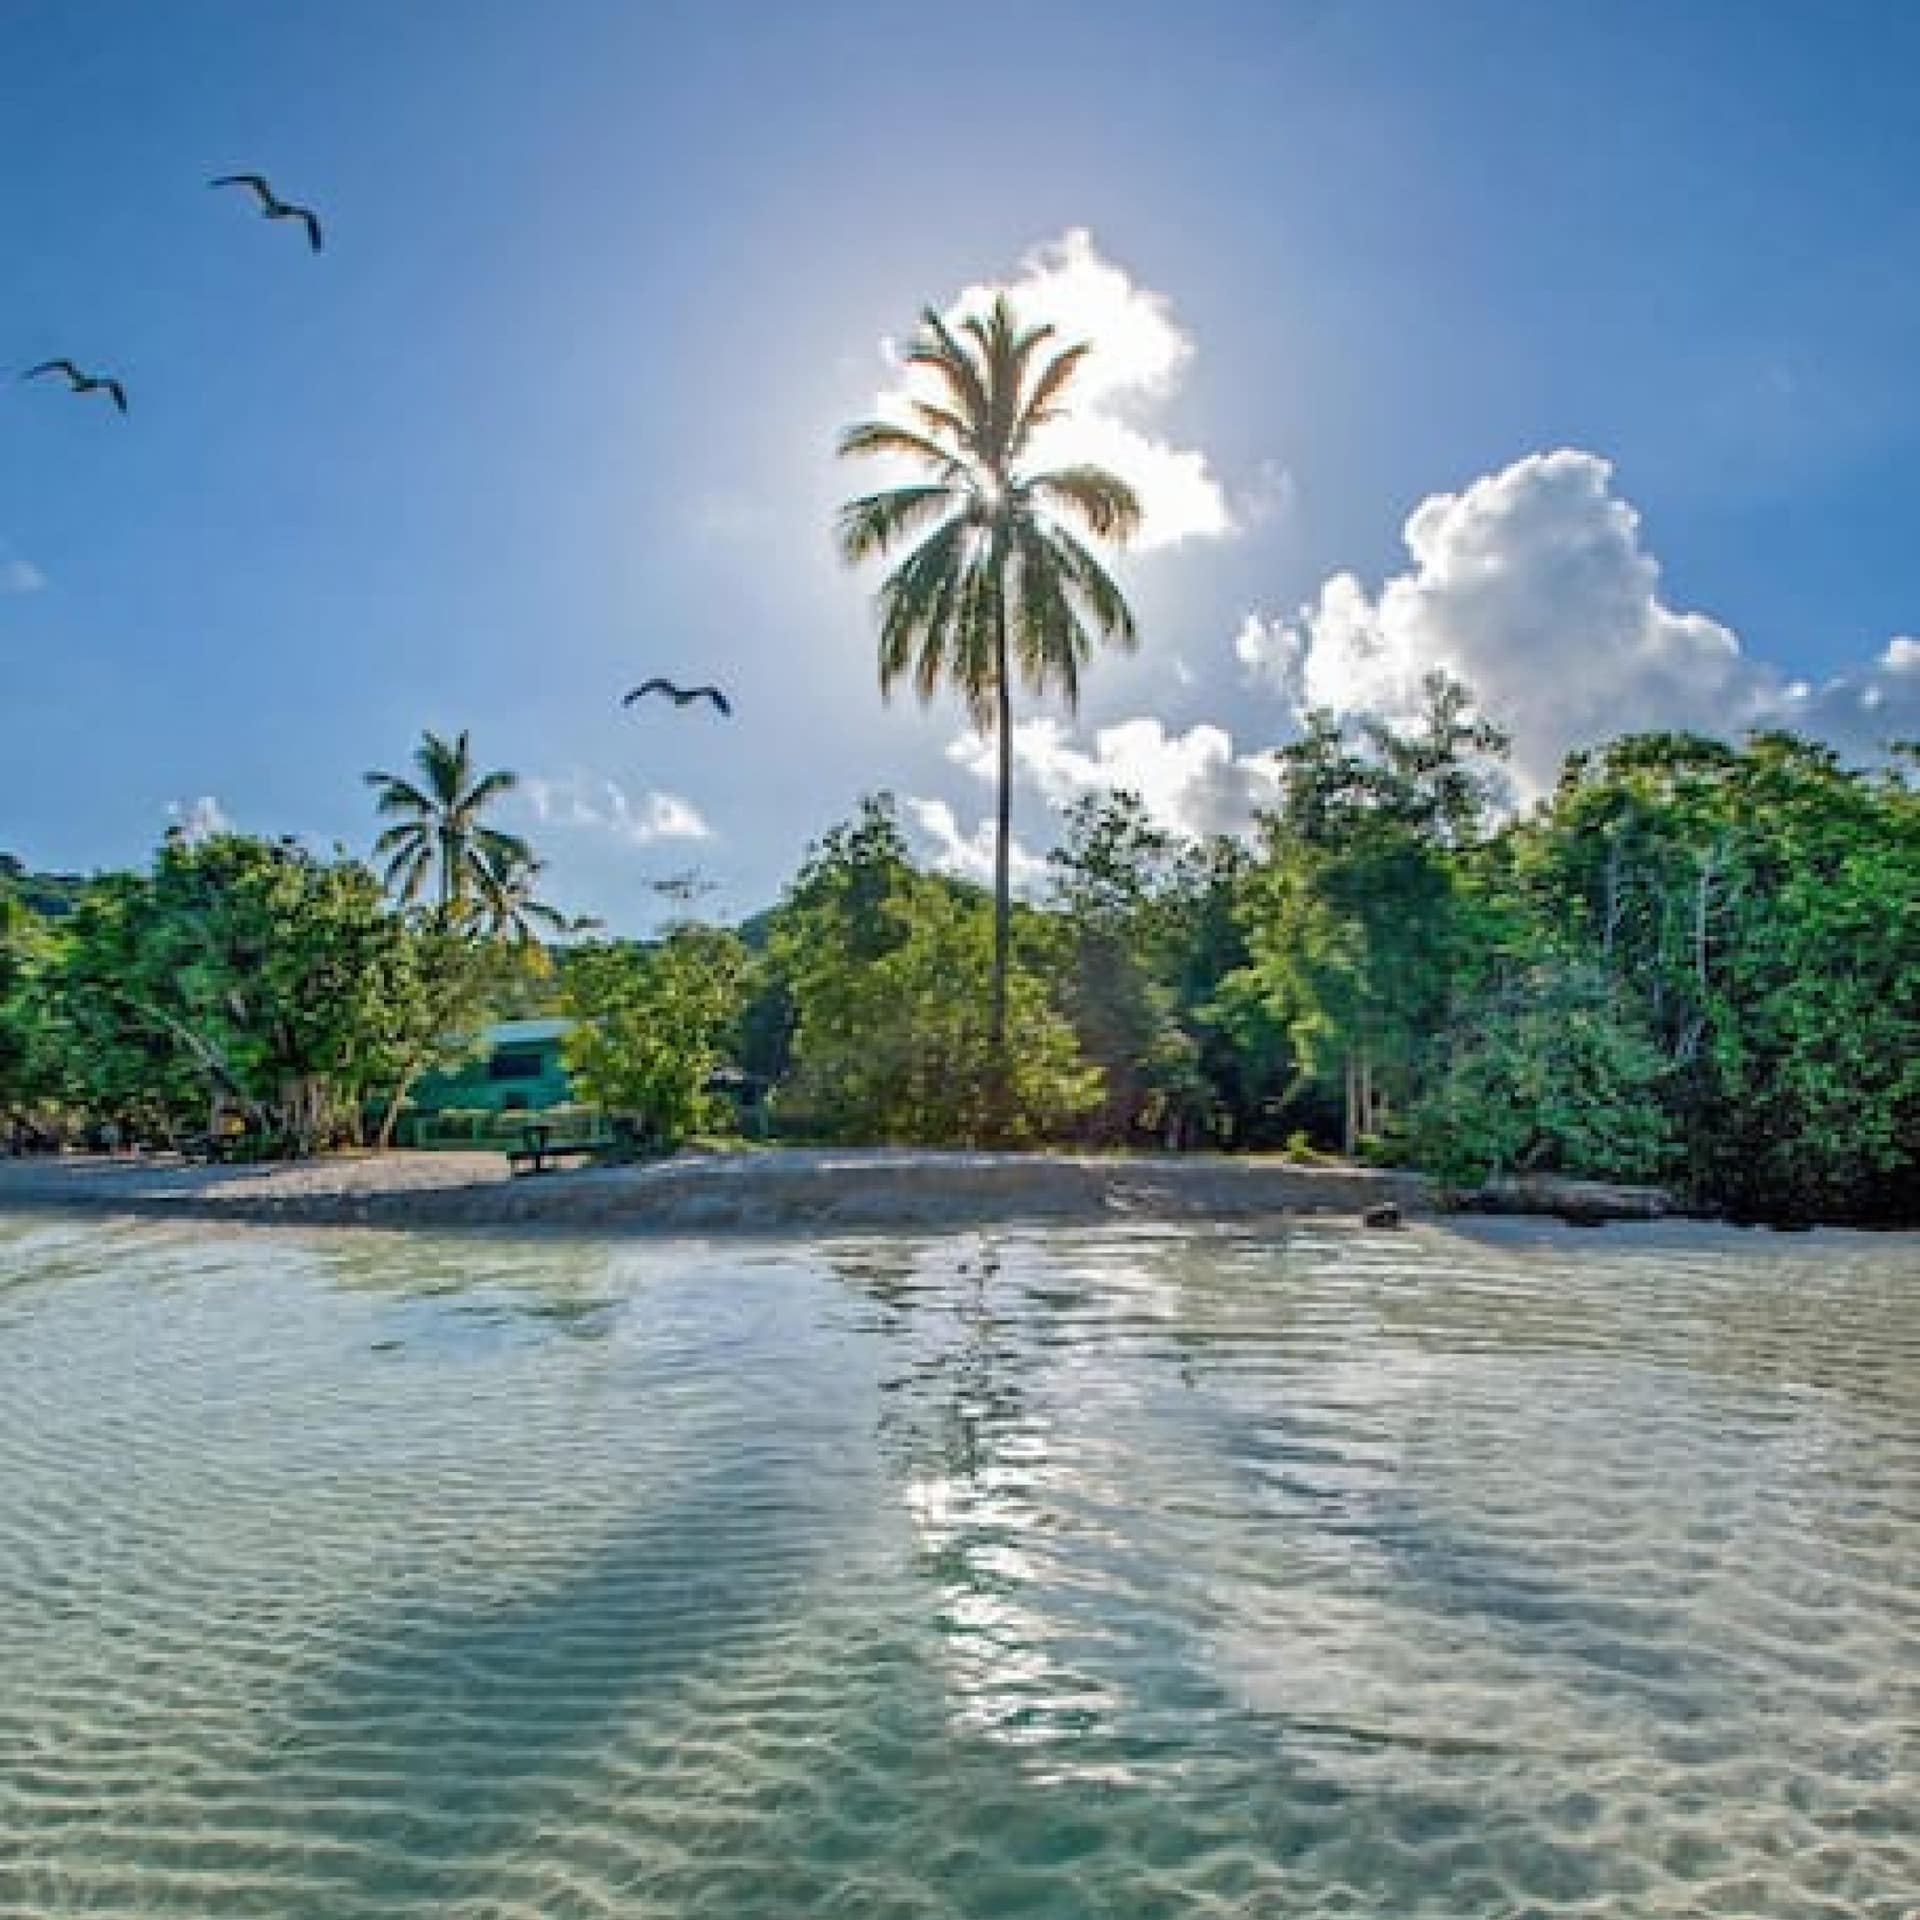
506	903
997	582
998	544
438	838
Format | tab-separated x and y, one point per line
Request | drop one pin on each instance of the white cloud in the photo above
1192	783
969	855
1533	586
605	806
1139	354
19	576
197	820
1272	499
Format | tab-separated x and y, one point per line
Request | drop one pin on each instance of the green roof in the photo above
526	1033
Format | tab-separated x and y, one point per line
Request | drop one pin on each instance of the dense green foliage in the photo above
1550	1072
1758	912
656	1026
1692	962
239	977
884	971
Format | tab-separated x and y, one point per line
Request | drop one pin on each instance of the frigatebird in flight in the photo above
82	382
680	696
272	207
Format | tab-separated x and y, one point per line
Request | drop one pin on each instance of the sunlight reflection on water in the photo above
1121	1573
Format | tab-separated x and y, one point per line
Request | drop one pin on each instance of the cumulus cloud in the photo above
1192	783
1140	352
197	820
605	806
1533	585
969	854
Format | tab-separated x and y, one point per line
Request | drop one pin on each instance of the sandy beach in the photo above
763	1191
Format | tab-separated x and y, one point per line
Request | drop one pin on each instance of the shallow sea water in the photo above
1116	1573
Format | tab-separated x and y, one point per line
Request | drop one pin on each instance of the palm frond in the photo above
1051	643
875	522
1042	404
913	600
504	852
1106	504
404	833
936	421
1006	348
443	764
406	873
977	650
944	357
1093	588
488	788
890	437
397	795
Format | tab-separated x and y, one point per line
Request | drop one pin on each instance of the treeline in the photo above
240	983
1692	963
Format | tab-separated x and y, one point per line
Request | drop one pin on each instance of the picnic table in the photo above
535	1150
544	1143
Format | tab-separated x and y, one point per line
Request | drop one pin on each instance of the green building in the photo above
517	1071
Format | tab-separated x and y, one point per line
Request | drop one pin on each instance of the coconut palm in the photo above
506	904
997	581
438	841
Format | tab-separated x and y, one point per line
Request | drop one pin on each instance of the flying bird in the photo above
82	382
272	207
680	696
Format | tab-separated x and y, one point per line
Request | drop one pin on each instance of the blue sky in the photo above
1629	293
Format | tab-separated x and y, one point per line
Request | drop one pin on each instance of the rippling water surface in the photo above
1081	1574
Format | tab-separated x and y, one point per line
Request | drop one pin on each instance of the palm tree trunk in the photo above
1002	841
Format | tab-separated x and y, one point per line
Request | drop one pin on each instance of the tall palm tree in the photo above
997	581
438	840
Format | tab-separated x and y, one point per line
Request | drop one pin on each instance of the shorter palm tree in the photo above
506	904
438	841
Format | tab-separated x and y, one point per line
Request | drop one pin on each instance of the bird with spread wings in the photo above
81	382
272	207
679	695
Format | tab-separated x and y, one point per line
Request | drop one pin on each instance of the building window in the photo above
514	1064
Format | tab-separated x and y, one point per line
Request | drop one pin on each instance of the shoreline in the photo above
762	1191
778	1190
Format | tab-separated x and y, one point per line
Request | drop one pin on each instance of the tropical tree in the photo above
884	968
506	904
439	841
1351	911
996	582
1121	899
241	976
655	1026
